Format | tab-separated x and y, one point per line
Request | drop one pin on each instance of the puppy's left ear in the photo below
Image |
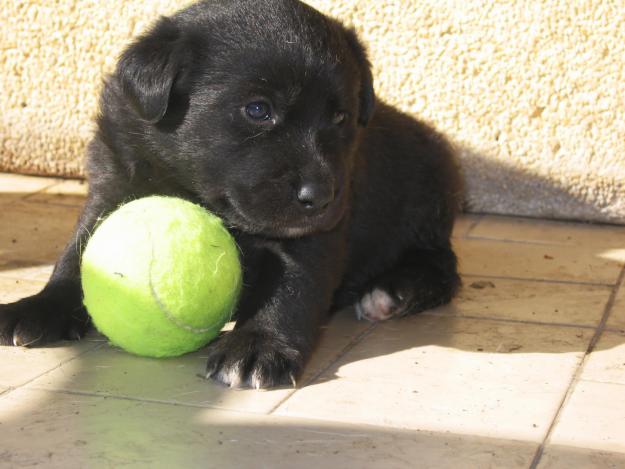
366	94
151	66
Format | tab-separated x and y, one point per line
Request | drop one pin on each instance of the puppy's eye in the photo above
339	117
258	111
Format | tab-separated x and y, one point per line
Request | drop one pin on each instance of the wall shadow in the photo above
497	187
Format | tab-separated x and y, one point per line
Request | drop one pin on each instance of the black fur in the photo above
380	188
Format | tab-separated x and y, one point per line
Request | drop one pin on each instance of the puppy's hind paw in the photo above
378	305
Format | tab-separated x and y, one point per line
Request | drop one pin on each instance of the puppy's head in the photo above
255	107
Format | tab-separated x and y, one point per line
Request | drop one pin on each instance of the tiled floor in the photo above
525	369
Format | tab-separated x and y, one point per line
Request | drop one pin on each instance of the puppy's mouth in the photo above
284	226
323	221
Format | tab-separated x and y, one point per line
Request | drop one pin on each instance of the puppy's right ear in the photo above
148	69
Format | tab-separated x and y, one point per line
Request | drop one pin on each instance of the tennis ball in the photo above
160	276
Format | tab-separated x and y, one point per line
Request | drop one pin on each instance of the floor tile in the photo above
466	376
533	261
13	289
562	457
39	272
606	363
65	430
472	384
112	372
522	300
34	232
532	230
68	192
15	186
593	418
20	365
616	319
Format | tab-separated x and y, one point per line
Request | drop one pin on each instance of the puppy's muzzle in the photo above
314	197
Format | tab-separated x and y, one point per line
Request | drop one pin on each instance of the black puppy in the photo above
263	112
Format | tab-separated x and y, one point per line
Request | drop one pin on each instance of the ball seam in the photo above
168	314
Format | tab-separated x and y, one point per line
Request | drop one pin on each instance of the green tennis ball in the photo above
160	276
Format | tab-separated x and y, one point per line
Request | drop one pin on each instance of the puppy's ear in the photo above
366	94
148	69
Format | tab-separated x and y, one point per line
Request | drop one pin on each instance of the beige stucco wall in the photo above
532	93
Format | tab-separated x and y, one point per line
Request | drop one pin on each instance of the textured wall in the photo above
531	91
54	55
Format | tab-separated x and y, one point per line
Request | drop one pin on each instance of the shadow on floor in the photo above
124	428
40	229
96	432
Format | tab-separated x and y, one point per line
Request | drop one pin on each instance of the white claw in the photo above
15	344
359	313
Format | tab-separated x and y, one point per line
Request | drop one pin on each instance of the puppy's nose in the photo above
314	196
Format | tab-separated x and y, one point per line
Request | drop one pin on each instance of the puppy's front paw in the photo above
257	359
41	319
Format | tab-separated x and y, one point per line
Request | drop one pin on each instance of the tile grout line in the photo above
510	321
352	343
576	376
21	279
530	218
34	263
520	241
54	204
42	189
472	226
58	180
599	381
540	280
10	389
146	400
524	241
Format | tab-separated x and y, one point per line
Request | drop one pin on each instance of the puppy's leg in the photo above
57	311
278	324
424	279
